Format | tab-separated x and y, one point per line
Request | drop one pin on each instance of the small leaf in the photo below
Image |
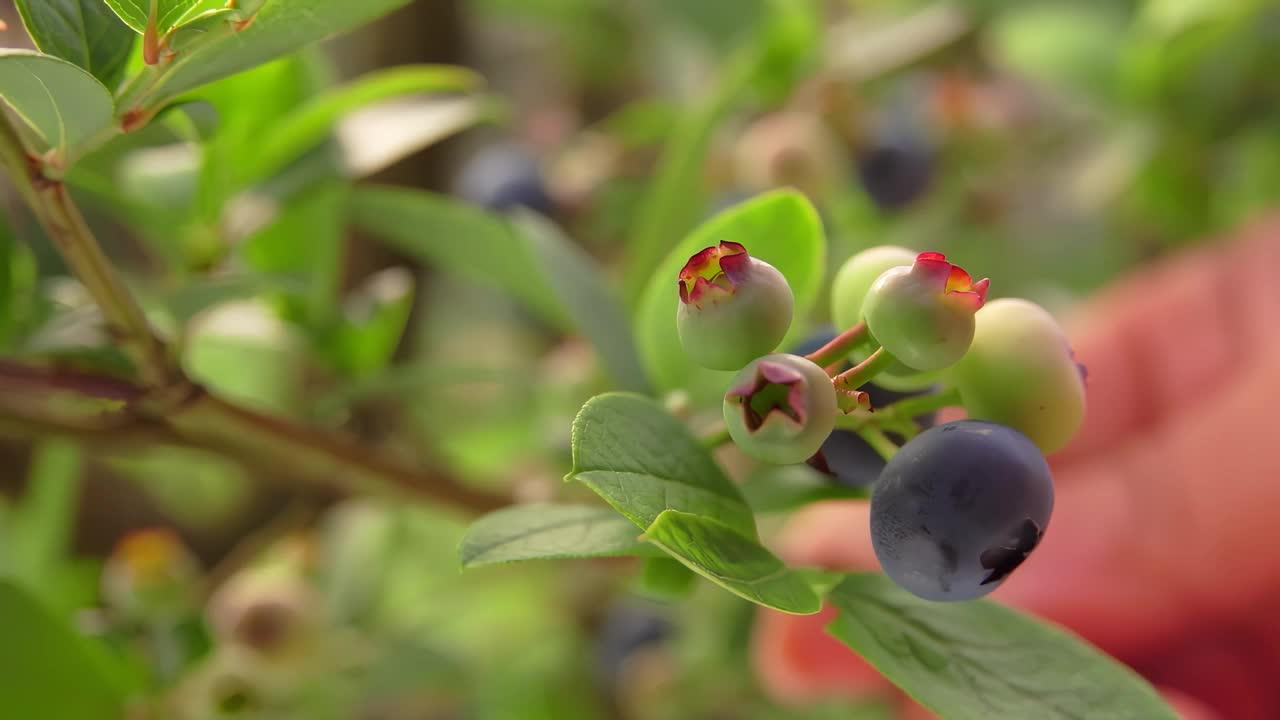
63	104
582	288
378	137
280	28
665	578
169	13
546	531
737	563
779	488
782	228
978	660
83	32
432	227
642	461
47	671
41	526
313	122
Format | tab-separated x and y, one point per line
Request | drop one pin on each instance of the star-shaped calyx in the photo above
954	281
716	270
1006	557
773	390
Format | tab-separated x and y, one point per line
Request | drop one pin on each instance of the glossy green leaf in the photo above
49	672
733	561
544	531
83	32
457	238
63	104
643	461
978	660
281	27
582	288
169	13
307	126
664	577
781	228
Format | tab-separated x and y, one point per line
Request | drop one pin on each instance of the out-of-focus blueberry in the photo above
502	177
895	175
626	630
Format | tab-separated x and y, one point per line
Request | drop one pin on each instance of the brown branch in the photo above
32	405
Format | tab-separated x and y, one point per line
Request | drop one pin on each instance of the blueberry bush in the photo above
700	265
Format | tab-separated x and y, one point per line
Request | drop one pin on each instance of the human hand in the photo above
1161	546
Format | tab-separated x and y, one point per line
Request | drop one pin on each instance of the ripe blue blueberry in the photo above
895	175
959	508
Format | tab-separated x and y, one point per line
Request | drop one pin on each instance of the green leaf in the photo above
370	329
779	488
545	531
580	285
83	32
63	104
304	128
47	671
665	578
40	531
169	13
280	28
734	562
458	238
977	660
642	461
782	228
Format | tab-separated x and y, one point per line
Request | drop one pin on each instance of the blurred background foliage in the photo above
322	238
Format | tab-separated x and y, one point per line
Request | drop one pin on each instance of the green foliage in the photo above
781	228
63	104
168	13
82	32
968	660
737	563
643	462
48	671
780	488
543	531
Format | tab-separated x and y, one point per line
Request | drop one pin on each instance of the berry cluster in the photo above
955	508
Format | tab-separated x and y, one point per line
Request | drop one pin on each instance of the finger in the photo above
1187	707
1186	326
797	661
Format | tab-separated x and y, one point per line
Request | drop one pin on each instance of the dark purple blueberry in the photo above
959	508
502	177
895	175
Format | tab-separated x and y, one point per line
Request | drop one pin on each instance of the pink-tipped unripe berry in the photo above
923	314
780	408
733	307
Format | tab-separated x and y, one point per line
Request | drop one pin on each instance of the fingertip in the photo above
797	662
832	535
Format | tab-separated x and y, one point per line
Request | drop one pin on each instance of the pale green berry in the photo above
780	408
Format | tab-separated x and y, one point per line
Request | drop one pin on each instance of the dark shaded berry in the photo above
895	175
959	508
626	631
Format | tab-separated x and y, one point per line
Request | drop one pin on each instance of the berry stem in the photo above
878	441
839	347
911	407
862	373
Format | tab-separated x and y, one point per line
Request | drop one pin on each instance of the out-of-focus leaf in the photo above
1070	45
664	577
643	461
582	288
976	660
458	238
369	330
782	228
280	28
47	671
305	127
545	531
377	137
40	529
83	32
779	488
734	562
201	294
63	104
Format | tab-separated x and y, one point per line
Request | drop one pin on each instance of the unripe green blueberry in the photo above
733	307
780	408
848	290
856	276
1020	372
151	576
923	314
